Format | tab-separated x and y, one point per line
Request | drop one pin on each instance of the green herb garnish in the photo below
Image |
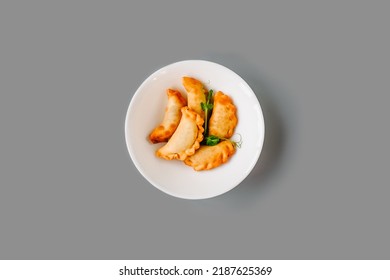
212	140
207	108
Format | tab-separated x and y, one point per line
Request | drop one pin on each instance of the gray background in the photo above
69	190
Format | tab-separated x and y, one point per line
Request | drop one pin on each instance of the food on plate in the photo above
196	94
171	119
198	130
223	119
208	157
186	138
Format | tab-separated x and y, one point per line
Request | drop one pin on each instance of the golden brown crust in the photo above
172	117
186	139
208	157
196	94
223	119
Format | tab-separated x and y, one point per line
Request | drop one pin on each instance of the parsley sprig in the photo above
212	140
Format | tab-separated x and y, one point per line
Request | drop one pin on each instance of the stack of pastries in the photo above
182	127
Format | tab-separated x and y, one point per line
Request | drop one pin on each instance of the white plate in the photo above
146	110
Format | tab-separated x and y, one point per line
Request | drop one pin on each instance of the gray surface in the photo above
68	188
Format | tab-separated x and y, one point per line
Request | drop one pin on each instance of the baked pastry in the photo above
208	157
196	94
171	119
223	118
186	139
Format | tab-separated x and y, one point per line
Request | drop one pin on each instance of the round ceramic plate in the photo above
146	111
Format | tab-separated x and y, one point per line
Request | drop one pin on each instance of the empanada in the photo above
208	157
186	139
171	119
223	119
196	94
